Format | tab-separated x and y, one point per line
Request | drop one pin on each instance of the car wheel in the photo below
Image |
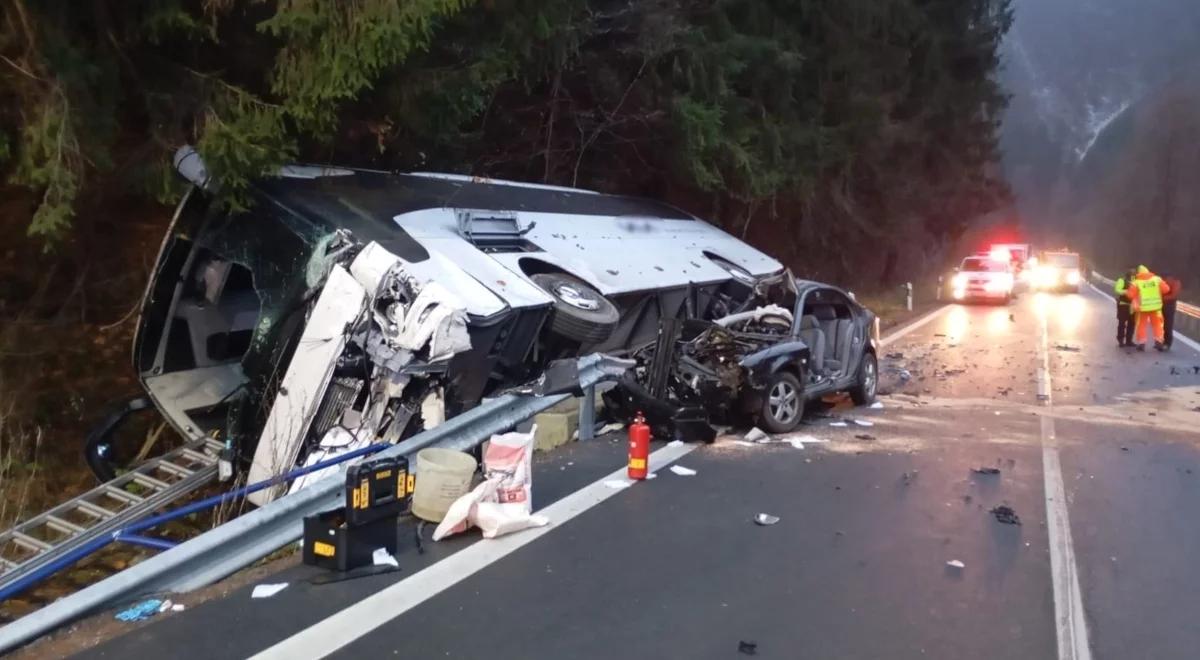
783	403
863	392
580	312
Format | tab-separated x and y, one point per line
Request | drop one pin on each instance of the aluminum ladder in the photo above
106	508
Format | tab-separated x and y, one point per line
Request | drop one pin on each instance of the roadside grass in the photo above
19	467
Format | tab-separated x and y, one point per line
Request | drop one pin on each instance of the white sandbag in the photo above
503	503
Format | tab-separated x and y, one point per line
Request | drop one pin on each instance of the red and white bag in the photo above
503	503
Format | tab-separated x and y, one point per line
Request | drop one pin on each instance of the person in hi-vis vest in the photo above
1146	294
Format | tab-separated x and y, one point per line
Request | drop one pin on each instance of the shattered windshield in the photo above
983	266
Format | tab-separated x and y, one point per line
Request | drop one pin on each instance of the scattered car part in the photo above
1006	515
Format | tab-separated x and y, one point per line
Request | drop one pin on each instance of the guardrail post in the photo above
587	414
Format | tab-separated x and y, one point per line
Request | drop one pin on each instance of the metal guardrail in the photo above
236	544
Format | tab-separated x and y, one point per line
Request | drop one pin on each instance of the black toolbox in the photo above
329	542
377	492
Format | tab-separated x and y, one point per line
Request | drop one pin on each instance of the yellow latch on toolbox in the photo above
324	549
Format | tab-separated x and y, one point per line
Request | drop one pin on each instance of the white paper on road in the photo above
617	484
268	590
954	563
682	471
652	475
675	443
757	435
878	405
863	422
381	557
799	441
839	424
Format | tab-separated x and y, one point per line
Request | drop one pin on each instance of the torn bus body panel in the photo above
369	323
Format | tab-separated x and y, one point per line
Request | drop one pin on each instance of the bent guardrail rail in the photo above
236	544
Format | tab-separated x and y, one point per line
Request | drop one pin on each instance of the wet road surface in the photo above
857	565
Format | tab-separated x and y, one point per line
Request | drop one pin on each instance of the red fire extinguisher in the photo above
639	447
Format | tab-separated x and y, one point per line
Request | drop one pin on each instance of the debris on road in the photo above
838	424
905	375
799	441
381	557
268	590
863	422
617	484
1124	448
986	470
757	435
864	436
909	477
1006	515
747	648
611	428
1066	348
765	519
954	563
141	611
744	443
894	356
878	405
682	471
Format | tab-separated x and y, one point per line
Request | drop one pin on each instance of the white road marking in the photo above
1187	341
919	323
344	627
1069	620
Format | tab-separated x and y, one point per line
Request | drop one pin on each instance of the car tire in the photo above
867	383
783	403
581	313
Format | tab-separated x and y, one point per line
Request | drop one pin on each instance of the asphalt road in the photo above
1103	471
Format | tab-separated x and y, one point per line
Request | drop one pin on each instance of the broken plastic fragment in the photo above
757	435
1006	515
682	471
765	519
267	590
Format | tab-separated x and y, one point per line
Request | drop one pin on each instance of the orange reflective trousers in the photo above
1146	319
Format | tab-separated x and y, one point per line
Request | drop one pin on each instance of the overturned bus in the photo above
346	306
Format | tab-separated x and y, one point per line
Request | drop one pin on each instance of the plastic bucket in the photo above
443	476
